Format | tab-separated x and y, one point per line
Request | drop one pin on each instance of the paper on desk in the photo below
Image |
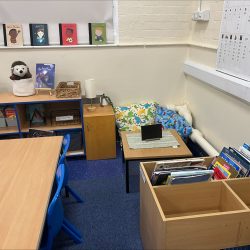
167	140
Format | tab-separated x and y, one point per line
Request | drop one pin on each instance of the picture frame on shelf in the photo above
45	77
68	33
36	115
97	33
39	34
13	34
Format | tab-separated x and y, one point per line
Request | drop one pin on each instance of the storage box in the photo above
205	215
65	117
11	122
2	122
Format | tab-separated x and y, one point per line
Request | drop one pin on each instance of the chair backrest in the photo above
55	211
66	143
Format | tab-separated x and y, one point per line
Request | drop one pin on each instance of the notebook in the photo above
151	132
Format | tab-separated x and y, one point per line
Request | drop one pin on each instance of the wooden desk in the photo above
152	153
27	171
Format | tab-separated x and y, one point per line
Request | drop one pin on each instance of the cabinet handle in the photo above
88	128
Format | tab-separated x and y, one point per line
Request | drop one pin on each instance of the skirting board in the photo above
227	83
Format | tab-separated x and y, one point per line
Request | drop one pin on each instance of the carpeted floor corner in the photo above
109	217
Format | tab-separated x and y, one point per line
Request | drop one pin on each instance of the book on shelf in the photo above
68	33
45	75
245	150
185	177
39	34
97	33
13	34
223	167
187	167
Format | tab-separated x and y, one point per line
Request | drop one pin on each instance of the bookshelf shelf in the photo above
54	128
75	153
52	107
9	130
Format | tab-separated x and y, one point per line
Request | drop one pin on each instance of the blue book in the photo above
230	161
39	34
237	160
45	75
246	146
240	156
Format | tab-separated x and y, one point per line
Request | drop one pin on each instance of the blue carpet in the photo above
109	217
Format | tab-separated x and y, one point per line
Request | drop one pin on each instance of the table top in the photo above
27	170
99	111
155	153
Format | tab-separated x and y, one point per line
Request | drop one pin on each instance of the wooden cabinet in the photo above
99	129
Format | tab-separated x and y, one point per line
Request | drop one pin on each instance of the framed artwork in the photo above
39	34
36	115
68	34
45	75
13	35
97	33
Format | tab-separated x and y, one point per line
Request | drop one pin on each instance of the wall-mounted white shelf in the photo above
60	46
229	84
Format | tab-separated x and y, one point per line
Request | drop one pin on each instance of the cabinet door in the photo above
100	137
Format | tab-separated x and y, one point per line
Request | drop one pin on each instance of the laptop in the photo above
151	132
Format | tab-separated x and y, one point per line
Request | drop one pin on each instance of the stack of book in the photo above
180	171
232	163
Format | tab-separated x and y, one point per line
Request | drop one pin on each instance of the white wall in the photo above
126	74
152	21
223	119
134	73
207	33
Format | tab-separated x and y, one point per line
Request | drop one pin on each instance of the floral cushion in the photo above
170	119
132	117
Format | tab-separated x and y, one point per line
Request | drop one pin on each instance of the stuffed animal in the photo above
19	71
21	79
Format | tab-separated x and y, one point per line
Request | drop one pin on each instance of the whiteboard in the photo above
54	12
233	54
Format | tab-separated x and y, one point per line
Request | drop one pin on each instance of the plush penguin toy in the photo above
19	71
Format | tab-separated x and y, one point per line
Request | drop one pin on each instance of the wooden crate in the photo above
206	215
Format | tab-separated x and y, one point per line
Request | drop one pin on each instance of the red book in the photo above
68	34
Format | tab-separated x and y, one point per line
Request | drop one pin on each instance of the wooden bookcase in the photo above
51	104
206	215
99	127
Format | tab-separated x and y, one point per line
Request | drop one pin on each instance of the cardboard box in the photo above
2	122
11	122
205	215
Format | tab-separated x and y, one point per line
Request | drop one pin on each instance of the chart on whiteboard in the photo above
233	54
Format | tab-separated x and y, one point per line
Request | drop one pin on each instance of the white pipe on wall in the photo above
197	137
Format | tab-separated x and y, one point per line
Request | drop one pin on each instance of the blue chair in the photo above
62	160
55	220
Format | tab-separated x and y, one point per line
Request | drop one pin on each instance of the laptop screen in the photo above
151	132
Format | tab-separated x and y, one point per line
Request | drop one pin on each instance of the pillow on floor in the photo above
171	119
132	117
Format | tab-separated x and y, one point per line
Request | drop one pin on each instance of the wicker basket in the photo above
68	89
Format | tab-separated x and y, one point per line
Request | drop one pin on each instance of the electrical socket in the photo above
201	15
